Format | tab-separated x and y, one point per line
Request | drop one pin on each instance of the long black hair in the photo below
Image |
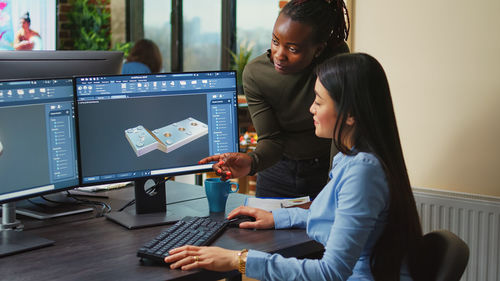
358	85
329	20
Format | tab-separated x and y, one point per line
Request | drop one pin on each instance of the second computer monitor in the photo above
37	151
37	138
50	64
132	127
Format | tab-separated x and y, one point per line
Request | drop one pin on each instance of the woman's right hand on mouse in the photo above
230	165
263	218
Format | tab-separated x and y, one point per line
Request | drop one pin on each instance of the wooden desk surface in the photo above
99	249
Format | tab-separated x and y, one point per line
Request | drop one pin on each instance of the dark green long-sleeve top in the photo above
279	108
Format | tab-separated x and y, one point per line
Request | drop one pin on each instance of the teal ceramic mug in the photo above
217	192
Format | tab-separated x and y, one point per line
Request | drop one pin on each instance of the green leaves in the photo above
123	47
91	22
241	59
91	27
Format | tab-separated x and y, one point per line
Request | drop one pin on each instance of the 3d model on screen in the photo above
141	140
167	138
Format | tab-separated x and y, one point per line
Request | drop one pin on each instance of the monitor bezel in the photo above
164	175
55	190
63	58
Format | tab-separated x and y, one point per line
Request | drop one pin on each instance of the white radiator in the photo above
474	218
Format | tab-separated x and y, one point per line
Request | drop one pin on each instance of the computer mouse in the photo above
235	222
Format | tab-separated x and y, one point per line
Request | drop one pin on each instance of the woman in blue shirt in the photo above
145	57
365	216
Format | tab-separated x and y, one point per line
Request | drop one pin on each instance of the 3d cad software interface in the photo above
140	126
37	133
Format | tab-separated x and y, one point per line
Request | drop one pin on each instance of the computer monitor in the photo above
138	127
39	153
52	64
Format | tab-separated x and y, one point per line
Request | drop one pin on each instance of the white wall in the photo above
442	59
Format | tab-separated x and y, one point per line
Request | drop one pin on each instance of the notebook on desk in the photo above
270	204
104	187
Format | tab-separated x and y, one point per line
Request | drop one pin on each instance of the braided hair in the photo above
328	18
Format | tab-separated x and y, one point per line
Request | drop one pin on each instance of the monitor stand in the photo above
48	210
150	207
12	240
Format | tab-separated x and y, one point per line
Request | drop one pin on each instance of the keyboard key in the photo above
198	231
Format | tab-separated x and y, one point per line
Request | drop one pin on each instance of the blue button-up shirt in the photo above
347	217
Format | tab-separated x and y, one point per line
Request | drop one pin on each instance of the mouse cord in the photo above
105	208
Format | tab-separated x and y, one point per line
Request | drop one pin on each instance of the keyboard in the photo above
198	231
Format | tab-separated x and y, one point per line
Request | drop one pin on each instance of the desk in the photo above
97	249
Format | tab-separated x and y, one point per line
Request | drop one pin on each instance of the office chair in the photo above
443	256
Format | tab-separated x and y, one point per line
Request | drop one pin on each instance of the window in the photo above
201	34
201	44
157	27
255	21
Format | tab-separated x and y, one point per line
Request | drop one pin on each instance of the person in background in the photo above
290	160
27	39
365	217
145	57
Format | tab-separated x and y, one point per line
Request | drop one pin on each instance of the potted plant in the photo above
239	62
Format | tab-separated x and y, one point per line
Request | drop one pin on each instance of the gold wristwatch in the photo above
242	261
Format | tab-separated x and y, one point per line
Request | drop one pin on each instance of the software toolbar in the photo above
127	86
25	91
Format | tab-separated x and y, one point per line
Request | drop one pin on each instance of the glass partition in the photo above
255	21
202	34
157	27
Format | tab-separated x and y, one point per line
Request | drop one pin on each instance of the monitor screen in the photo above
37	136
50	64
28	25
145	126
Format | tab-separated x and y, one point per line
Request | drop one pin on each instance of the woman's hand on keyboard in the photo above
211	258
263	218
